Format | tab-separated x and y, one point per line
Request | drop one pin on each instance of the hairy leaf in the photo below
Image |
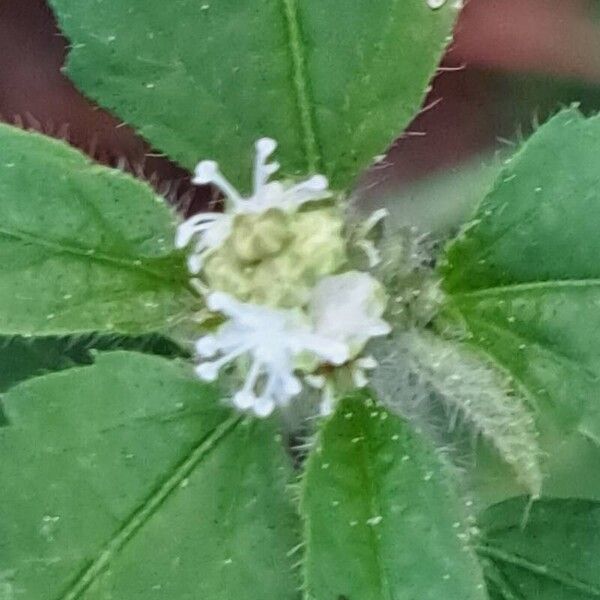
333	83
548	551
419	374
524	279
381	519
83	248
126	479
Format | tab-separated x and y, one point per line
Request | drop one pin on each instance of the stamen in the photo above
311	190
264	148
187	229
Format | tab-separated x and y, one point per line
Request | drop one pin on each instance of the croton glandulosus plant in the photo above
291	397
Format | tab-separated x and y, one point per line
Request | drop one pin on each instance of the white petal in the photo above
208	172
207	346
292	386
208	371
263	407
244	400
219	301
265	147
348	308
205	172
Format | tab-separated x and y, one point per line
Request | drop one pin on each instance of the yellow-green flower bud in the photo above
275	258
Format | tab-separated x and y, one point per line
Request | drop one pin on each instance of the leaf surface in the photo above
83	248
524	280
548	552
128	479
333	83
381	519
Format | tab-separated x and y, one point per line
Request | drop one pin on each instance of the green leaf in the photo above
126	479
381	520
83	248
524	279
333	83
548	552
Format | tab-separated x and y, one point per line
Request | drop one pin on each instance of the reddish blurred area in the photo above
469	107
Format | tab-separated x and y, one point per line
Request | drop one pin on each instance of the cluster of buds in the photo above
274	266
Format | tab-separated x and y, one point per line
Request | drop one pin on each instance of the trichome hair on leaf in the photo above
407	271
419	371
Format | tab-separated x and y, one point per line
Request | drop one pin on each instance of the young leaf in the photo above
381	520
547	552
83	248
524	278
333	83
419	374
127	479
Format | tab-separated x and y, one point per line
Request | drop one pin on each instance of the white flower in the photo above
273	339
344	313
348	308
212	229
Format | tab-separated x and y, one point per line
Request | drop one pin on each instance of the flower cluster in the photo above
272	266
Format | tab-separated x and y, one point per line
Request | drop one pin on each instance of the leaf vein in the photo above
376	511
530	286
539	569
560	357
142	514
296	46
89	254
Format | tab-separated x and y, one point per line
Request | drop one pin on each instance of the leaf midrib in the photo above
560	357
541	570
529	286
304	101
90	254
143	513
375	510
